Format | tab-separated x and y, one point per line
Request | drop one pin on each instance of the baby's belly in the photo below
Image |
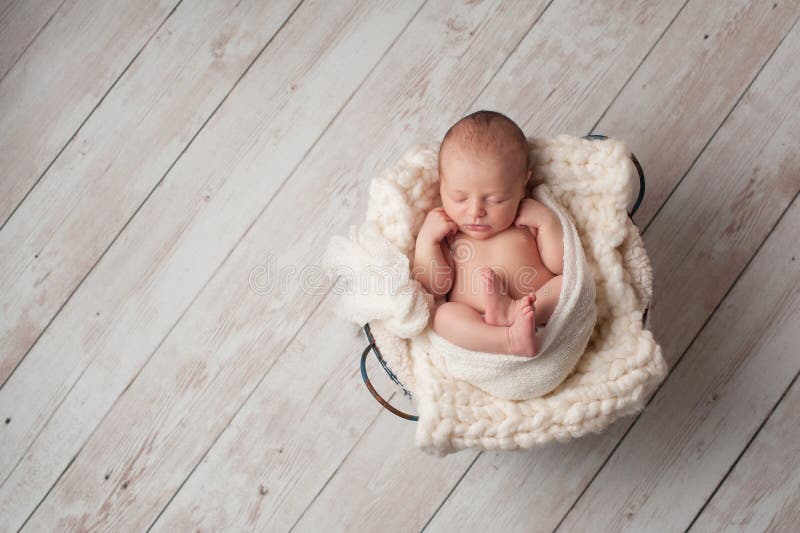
512	254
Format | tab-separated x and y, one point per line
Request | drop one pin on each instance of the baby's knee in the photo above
450	313
443	312
551	289
443	317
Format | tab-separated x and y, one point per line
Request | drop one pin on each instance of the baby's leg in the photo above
463	326
500	309
547	299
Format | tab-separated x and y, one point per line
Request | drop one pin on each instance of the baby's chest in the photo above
514	257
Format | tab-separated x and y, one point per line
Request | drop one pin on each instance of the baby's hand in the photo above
437	226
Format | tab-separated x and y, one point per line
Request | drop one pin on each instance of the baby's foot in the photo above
521	334
499	308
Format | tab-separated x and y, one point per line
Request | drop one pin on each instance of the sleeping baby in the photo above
494	255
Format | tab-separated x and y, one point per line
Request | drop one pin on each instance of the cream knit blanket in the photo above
467	399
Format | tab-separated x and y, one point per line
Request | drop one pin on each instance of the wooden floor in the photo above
157	158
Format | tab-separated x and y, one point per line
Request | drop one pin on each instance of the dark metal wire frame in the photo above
373	347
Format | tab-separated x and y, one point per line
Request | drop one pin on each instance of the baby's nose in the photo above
476	209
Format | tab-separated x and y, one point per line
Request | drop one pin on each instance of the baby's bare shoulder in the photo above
536	207
534	213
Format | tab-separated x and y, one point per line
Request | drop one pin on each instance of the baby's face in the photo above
481	194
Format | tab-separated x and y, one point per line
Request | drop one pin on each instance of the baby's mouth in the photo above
477	227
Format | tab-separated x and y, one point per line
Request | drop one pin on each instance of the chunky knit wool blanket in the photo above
590	181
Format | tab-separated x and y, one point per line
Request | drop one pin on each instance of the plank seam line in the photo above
375	418
511	53
33	186
724	120
447	497
744	450
688	170
758	431
235	414
49	490
21	54
639	66
88	116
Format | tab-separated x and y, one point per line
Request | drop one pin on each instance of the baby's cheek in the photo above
448	210
507	217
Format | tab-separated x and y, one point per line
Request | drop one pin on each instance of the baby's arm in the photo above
431	267
546	227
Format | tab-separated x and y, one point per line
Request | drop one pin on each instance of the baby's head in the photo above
483	170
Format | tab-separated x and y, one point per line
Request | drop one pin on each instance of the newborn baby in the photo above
495	255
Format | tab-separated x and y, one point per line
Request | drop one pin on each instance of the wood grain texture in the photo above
64	73
675	102
58	221
762	493
125	148
288	438
20	23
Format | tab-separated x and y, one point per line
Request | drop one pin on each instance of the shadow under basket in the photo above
373	347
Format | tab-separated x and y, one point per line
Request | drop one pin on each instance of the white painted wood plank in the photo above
20	22
122	151
180	236
288	438
762	493
64	73
512	501
697	248
691	84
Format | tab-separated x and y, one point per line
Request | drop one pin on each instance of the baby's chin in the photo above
481	234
